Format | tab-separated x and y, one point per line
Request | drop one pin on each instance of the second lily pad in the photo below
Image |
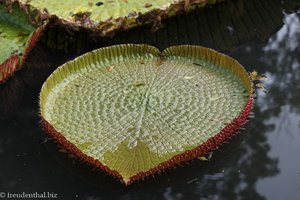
17	37
133	111
107	16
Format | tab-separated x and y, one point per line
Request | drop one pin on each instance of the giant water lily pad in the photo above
17	37
133	111
106	16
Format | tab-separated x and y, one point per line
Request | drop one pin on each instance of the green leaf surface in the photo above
100	10
132	108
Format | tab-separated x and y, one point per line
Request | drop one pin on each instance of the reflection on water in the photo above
280	108
259	163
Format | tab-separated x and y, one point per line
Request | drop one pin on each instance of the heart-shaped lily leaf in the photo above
17	37
133	111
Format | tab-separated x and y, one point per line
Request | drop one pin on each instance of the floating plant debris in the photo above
139	119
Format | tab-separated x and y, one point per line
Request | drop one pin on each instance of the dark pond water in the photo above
262	162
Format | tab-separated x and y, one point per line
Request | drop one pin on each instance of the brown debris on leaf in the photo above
148	5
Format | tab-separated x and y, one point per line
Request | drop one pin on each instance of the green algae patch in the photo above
133	111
